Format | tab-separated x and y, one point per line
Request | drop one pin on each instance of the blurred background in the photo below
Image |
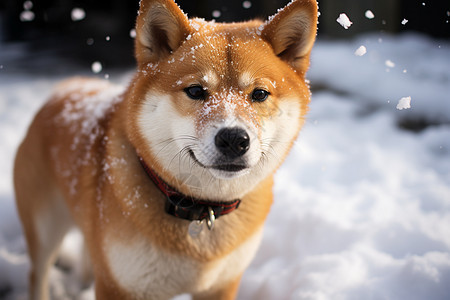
79	30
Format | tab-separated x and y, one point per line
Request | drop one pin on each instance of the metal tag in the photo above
195	228
212	218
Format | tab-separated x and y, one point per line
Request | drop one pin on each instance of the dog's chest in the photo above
148	272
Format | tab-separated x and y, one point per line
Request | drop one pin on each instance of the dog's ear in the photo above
292	32
161	27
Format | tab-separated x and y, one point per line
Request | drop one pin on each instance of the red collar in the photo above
186	207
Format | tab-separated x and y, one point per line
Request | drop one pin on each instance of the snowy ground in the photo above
362	206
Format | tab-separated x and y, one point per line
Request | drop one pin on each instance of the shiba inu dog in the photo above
169	180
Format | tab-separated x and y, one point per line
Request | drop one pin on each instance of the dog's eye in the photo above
259	95
196	92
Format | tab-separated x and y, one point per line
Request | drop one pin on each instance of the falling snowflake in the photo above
389	63
96	67
27	5
361	51
369	14
133	33
404	21
26	16
246	4
404	103
344	21
78	14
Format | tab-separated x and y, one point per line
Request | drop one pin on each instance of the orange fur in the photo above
78	163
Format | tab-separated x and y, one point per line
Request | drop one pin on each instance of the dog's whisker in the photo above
169	141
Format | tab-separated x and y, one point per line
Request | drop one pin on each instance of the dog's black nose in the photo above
232	142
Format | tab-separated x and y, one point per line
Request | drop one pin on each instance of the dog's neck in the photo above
187	207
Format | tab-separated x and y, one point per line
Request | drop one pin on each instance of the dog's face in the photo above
215	108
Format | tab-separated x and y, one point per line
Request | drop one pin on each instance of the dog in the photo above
170	179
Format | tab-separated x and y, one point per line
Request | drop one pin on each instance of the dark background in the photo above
86	40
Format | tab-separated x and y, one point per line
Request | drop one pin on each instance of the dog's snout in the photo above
232	142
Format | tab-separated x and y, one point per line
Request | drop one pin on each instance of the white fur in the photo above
278	131
151	273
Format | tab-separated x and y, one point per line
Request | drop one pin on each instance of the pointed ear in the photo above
292	32
161	27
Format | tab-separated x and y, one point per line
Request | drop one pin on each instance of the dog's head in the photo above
215	108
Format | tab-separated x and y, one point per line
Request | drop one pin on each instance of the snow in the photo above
427	78
216	13
27	5
344	21
78	14
404	21
369	14
389	63
26	16
362	206
133	33
88	111
96	67
361	51
404	103
246	4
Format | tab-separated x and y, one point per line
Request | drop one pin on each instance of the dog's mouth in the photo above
221	166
